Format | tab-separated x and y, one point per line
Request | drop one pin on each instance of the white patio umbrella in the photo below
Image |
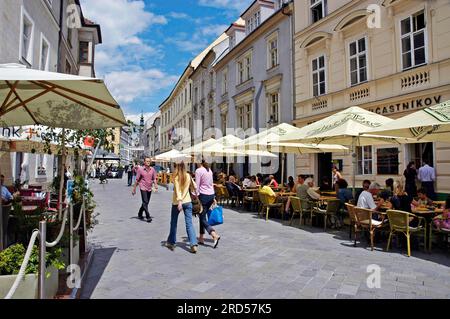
231	145
346	128
429	125
29	97
198	148
172	155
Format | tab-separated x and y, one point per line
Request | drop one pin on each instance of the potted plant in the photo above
10	262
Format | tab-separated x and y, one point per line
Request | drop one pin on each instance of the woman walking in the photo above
181	202
206	195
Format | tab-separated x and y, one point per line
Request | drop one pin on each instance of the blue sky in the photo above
147	44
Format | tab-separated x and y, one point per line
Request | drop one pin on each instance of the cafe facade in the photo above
393	59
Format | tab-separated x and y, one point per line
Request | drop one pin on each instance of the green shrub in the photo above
11	259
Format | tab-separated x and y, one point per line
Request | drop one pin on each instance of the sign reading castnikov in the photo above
411	104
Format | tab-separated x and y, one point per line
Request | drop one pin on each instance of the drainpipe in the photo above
292	50
61	11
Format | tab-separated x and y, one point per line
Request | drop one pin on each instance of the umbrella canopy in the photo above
274	134
173	155
301	148
232	145
430	124
197	149
345	128
29	97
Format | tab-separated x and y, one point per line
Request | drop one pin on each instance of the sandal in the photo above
216	242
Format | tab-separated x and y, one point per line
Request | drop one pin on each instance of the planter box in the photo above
28	288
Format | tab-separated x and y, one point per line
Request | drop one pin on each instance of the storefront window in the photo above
387	161
364	159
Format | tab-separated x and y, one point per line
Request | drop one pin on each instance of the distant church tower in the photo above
141	129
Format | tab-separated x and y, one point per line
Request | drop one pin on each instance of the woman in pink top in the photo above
205	190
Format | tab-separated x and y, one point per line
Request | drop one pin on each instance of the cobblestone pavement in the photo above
255	258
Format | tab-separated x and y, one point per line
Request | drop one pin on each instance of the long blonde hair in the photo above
180	172
399	188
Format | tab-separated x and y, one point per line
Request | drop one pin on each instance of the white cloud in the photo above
121	20
226	4
178	15
126	86
214	29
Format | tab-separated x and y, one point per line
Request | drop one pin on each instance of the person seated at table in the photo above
253	182
233	188
6	196
306	195
246	182
366	200
388	191
343	193
365	185
267	190
290	186
423	200
400	200
273	182
259	179
221	178
443	221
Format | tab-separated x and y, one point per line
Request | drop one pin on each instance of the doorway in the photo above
324	167
419	152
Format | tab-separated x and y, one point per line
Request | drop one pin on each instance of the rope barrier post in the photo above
71	234
42	251
84	226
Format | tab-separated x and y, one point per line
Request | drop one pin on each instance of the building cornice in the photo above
242	46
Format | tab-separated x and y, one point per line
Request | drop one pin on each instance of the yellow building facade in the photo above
391	57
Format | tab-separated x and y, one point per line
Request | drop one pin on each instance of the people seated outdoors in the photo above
305	192
272	196
221	178
366	200
290	186
343	193
233	188
400	200
273	182
388	191
365	185
259	179
253	182
6	197
247	182
423	200
443	221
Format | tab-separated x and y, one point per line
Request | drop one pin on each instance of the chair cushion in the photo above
374	222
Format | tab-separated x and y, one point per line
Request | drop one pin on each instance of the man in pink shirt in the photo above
145	178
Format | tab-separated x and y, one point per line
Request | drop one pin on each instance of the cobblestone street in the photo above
255	258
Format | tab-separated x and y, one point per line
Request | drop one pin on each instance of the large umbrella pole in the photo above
283	158
61	176
354	166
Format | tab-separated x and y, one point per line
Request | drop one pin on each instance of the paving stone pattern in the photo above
255	258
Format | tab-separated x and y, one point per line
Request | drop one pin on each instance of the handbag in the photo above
215	215
197	207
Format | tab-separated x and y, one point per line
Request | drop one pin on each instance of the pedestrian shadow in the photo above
100	261
142	220
183	244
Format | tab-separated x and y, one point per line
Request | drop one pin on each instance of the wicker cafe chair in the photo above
353	220
434	229
265	205
364	220
296	208
332	210
399	222
219	194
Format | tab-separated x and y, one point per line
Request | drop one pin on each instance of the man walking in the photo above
145	178
130	172
427	176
